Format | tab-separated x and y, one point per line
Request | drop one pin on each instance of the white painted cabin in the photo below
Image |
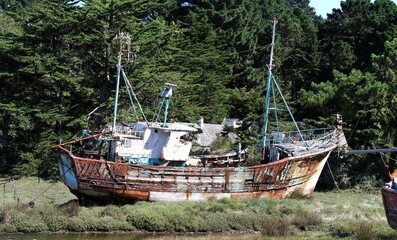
152	143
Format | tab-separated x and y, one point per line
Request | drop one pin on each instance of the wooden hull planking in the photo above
104	180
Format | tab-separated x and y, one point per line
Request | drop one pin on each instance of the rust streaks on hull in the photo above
99	169
101	179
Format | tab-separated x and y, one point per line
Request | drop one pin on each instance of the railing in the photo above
285	138
131	131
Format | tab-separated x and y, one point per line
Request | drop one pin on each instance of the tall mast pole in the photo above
116	99
269	77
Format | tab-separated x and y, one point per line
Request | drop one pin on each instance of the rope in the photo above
332	175
381	157
31	203
16	198
390	158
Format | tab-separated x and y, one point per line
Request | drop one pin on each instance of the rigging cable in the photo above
31	203
332	175
383	155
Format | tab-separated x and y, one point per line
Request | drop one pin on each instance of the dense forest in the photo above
57	70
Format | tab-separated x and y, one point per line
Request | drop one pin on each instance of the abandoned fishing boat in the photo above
389	197
150	160
389	190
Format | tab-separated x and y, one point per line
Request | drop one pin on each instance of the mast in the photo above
124	40
267	100
269	77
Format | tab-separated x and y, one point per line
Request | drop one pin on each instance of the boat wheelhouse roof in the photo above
141	126
172	127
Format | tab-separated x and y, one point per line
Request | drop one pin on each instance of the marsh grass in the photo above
365	231
276	227
331	215
298	195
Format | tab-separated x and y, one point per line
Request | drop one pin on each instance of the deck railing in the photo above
286	138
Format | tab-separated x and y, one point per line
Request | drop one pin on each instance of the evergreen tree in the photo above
50	80
11	119
367	103
352	33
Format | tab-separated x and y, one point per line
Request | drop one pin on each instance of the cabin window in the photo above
185	137
127	143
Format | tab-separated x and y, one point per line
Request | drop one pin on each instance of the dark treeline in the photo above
57	65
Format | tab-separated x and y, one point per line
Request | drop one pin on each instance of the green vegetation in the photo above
325	215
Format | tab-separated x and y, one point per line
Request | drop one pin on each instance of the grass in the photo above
325	215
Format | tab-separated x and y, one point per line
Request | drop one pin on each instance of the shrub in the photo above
165	217
222	145
70	208
54	218
304	219
297	194
26	222
217	208
364	231
216	222
276	227
253	158
244	221
115	212
368	184
233	204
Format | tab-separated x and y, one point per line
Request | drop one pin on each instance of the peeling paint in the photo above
105	179
389	197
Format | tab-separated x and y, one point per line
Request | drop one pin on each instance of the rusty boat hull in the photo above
105	180
389	197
